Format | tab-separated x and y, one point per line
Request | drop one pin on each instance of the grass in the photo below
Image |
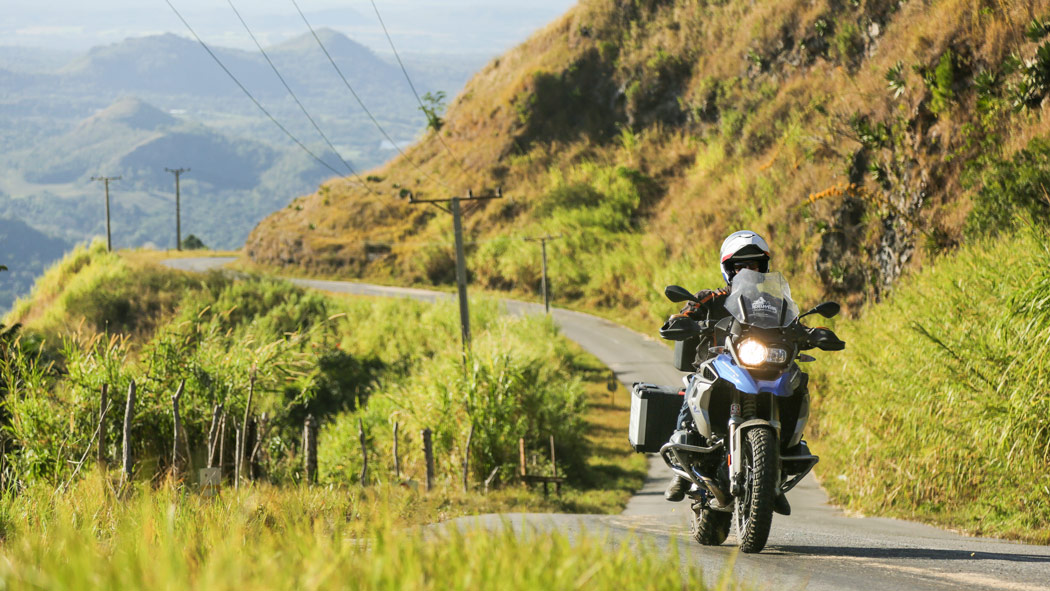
346	360
293	538
937	411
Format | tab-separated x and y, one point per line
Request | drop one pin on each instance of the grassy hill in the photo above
852	134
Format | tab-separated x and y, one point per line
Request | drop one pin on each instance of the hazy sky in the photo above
431	26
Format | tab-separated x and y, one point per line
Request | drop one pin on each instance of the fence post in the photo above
364	452
213	433
222	444
102	409
428	453
466	460
129	414
310	449
237	442
521	456
397	461
242	433
178	428
554	468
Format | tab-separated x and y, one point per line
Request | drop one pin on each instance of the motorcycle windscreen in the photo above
761	299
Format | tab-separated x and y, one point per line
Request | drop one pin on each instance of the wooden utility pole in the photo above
545	285
461	262
106	180
178	214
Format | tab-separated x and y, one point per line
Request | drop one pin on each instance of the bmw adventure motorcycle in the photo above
749	403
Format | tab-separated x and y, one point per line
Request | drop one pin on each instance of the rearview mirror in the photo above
676	293
827	310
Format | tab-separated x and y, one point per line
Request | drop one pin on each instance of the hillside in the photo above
854	135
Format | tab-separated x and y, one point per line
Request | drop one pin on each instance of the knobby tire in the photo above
754	511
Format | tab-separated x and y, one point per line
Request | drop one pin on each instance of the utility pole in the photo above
461	262
178	219
106	180
543	244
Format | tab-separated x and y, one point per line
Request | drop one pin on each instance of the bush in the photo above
1009	191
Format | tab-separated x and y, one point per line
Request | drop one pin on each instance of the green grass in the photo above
294	538
939	408
346	360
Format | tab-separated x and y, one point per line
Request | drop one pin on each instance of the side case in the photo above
654	412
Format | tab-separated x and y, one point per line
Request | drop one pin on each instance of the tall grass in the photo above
293	538
939	408
346	361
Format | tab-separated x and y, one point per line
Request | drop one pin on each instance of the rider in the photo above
741	250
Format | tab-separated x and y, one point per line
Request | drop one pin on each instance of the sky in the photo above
418	26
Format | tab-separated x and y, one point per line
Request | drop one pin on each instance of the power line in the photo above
294	97
419	100
249	94
361	102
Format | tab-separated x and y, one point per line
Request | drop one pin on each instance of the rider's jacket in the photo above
711	307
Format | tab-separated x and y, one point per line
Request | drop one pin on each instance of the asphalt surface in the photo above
817	547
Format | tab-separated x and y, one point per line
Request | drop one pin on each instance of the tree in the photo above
191	242
433	107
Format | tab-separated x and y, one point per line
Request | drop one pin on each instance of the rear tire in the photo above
754	507
710	527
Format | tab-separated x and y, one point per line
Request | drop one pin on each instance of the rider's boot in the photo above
781	505
676	489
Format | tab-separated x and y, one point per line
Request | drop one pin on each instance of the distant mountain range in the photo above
134	108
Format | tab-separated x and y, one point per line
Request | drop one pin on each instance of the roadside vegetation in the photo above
939	410
100	318
266	537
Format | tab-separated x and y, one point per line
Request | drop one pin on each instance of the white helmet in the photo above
743	246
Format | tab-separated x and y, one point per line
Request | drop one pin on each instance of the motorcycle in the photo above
749	404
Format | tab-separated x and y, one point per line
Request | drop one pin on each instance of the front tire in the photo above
754	506
710	527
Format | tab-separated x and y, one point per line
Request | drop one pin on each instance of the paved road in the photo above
817	548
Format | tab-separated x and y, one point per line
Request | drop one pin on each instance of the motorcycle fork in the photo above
735	420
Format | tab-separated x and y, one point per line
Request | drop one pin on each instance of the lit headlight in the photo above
753	353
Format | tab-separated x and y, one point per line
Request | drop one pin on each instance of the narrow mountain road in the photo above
817	548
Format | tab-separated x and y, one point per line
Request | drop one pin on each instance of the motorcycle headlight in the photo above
753	353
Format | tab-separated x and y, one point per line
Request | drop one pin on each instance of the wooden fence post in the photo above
364	452
102	409
242	433
213	433
178	428
310	449
397	461
466	461
428	453
521	455
238	441
222	444
554	468
129	414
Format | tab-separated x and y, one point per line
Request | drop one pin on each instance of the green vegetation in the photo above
294	538
346	361
938	409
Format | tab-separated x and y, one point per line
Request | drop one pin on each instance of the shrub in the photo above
1008	191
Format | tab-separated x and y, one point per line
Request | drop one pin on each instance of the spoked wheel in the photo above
754	506
710	527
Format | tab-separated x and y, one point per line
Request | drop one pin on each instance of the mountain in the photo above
852	135
239	179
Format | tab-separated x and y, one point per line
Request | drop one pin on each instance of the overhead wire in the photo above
419	100
294	97
249	94
362	103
